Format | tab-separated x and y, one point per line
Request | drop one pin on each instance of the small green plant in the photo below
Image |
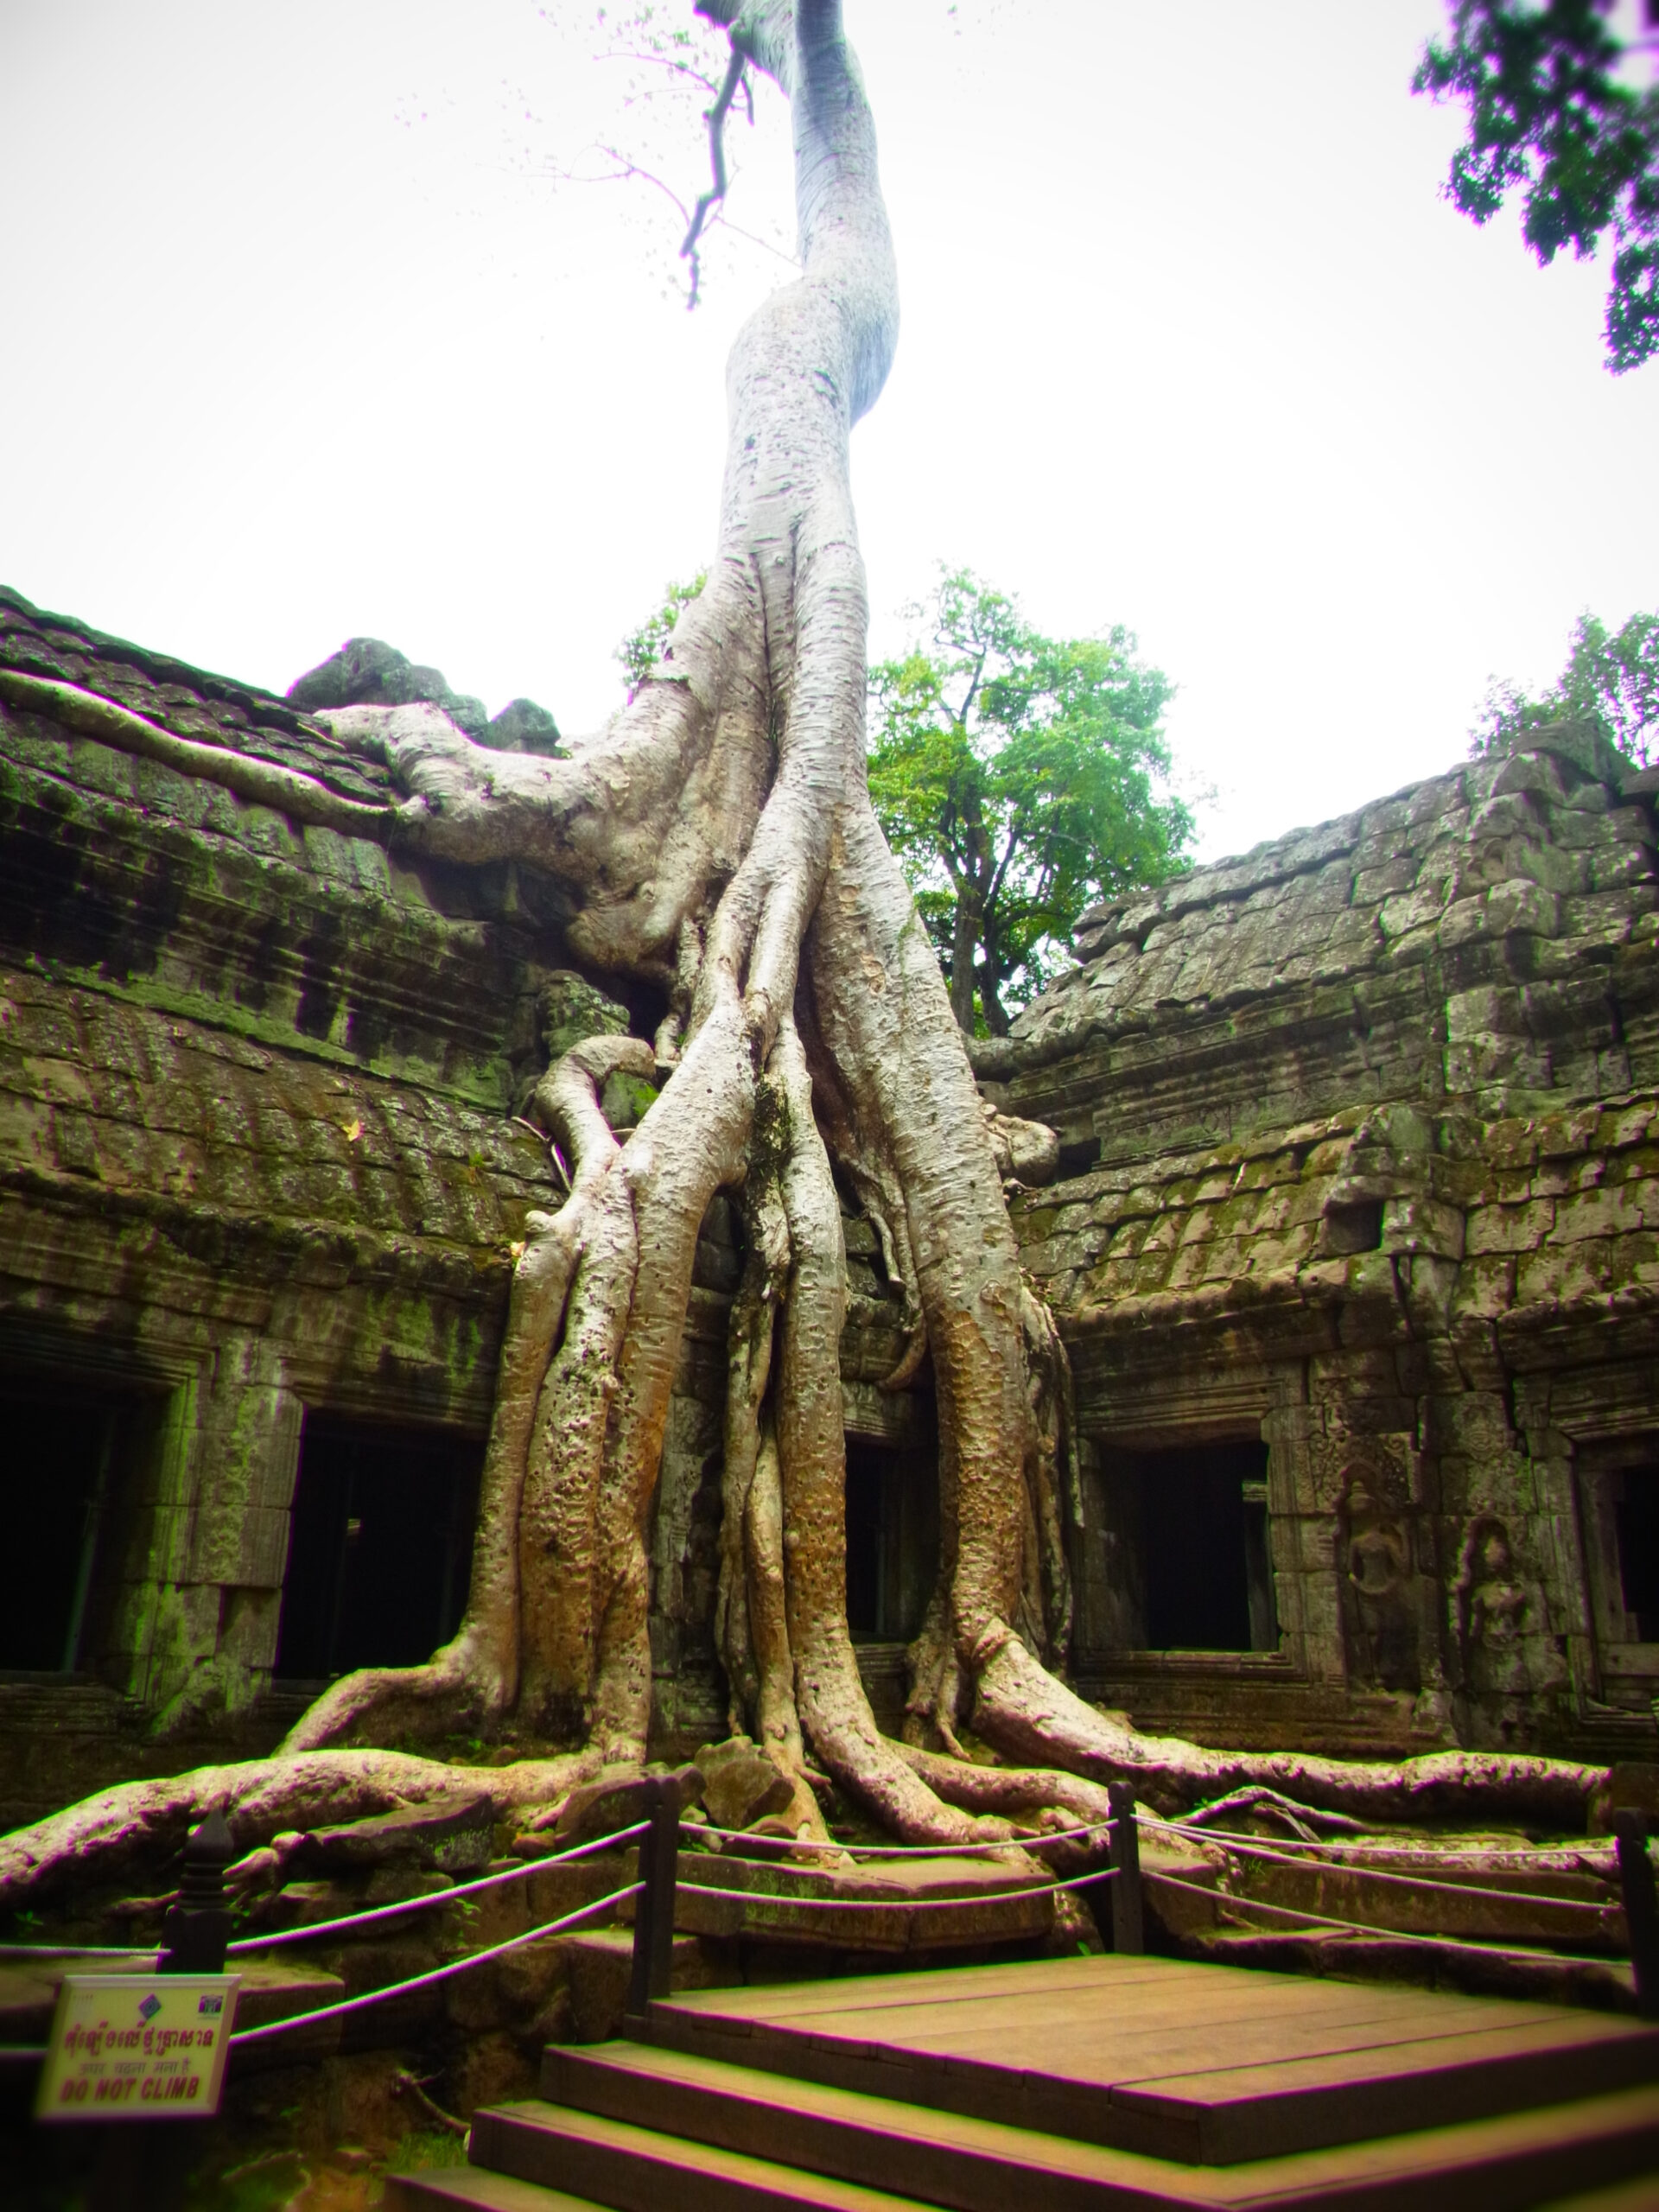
426	2146
258	2184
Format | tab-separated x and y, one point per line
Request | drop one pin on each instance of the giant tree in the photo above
718	841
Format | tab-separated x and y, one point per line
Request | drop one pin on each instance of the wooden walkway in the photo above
1061	2085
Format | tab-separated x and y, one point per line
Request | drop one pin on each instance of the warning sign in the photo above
129	2047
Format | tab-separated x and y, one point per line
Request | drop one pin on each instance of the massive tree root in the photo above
719	840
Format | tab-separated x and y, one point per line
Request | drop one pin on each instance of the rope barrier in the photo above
1524	1852
905	1903
1364	1928
75	1951
317	1928
436	1974
899	1850
1400	1881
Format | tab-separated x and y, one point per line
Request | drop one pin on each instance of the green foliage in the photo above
1610	681
1547	115
1018	777
425	2147
641	651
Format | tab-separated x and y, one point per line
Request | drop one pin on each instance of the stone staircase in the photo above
1060	2085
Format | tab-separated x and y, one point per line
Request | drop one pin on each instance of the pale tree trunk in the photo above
719	839
964	948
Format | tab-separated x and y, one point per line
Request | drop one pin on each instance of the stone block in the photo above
741	1784
1268	1170
1629	1125
1464	920
1334	1376
1487	1011
263	1552
1474	1421
1509	1227
1414	1223
1510	1143
1282	1253
1382	880
1620	867
1409	913
1587	1272
1430	1285
158	1544
1498	1064
1611	1211
1522	905
1539	774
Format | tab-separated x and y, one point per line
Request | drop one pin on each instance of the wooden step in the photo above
1197	2063
469	2188
822	2147
633	2169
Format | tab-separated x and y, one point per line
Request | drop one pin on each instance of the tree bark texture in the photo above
719	839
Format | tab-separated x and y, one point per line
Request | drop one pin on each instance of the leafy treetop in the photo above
1547	113
1610	681
641	652
1018	778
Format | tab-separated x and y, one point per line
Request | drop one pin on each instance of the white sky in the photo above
297	343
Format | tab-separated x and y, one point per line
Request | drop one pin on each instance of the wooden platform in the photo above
1063	2085
1202	2063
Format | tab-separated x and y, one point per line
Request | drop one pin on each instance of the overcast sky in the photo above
301	339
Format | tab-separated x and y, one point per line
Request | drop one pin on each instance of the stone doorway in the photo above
380	1547
1188	1565
892	1537
68	1447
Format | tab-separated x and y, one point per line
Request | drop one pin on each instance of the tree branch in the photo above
716	192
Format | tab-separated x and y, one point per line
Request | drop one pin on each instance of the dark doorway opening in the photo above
380	1548
1190	1531
1636	1518
67	1445
893	1538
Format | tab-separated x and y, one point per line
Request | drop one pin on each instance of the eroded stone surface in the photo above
257	1157
1362	1134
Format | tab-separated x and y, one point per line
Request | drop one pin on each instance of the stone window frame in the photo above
1126	1662
1579	1419
148	1513
1621	1654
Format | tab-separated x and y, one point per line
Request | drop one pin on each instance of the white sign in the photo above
127	2046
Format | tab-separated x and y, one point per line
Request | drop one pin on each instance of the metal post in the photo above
1129	1925
1641	1908
653	1914
198	1928
139	2166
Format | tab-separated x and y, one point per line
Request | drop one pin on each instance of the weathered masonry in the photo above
1358	1258
1357	1251
259	1186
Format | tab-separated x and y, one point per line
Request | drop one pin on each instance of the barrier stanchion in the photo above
139	2165
653	1918
198	1928
1641	1907
1128	1918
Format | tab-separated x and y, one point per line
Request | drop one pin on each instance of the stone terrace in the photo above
1363	1136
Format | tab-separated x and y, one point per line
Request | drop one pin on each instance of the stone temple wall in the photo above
1357	1247
1361	1147
259	1170
254	1159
